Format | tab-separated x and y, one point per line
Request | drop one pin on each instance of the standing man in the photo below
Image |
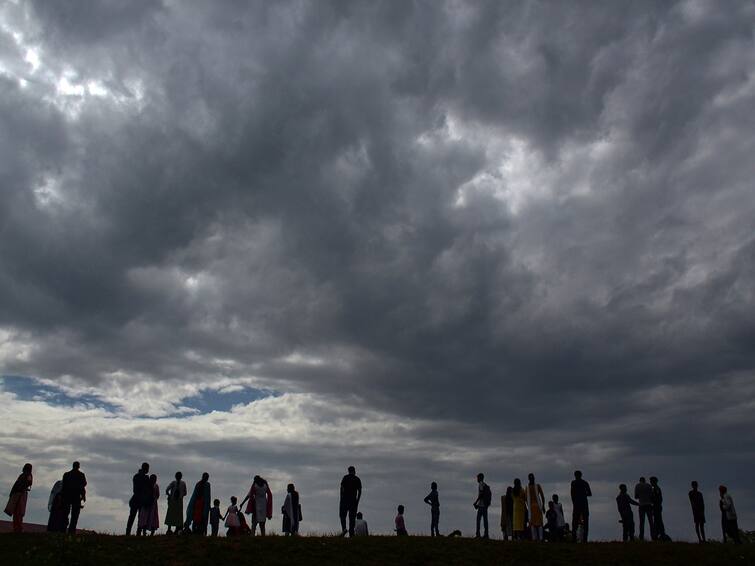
729	515
657	498
698	511
141	489
484	498
74	494
351	493
580	491
624	504
432	500
643	493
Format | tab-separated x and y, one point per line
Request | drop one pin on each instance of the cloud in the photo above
524	230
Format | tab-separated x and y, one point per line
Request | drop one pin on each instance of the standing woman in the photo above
198	509
519	510
175	494
260	504
149	519
19	494
291	511
507	513
58	521
535	504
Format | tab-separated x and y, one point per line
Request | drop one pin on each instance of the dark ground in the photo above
30	549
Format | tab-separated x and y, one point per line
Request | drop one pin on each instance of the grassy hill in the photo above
99	550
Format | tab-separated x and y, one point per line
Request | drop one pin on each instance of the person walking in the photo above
198	509
729	515
351	493
260	504
697	502
18	496
175	493
643	493
432	500
74	495
535	505
580	491
624	504
519	511
141	493
291	511
657	499
483	501
507	514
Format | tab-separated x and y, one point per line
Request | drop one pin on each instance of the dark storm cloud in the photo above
276	180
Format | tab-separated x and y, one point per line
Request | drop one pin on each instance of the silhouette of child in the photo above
400	526
215	517
231	518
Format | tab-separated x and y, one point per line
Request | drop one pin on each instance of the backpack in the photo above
487	495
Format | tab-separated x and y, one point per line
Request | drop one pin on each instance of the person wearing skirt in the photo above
175	494
149	517
18	496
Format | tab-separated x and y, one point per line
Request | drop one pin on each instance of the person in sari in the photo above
519	510
149	517
175	494
507	513
291	511
535	505
58	521
260	504
19	494
198	509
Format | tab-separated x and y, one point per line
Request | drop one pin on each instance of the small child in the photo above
360	528
400	526
215	517
231	518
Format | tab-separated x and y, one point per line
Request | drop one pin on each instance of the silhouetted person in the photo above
519	513
484	498
149	514
551	532
58	521
74	494
729	515
432	500
231	518
535	506
142	492
643	493
580	491
18	496
507	514
657	498
360	528
198	509
260	504
291	511
215	516
560	520
698	511
400	525
351	493
175	493
624	504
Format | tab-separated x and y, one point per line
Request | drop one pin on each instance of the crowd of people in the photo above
524	512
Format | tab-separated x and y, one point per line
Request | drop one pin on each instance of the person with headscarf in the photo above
58	521
198	509
17	498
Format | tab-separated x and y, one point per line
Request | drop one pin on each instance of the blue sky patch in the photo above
218	400
30	389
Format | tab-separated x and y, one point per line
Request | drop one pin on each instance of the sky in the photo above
426	239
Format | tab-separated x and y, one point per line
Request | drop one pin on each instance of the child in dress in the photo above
400	526
232	519
215	517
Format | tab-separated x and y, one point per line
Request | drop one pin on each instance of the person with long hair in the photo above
536	505
19	495
260	504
